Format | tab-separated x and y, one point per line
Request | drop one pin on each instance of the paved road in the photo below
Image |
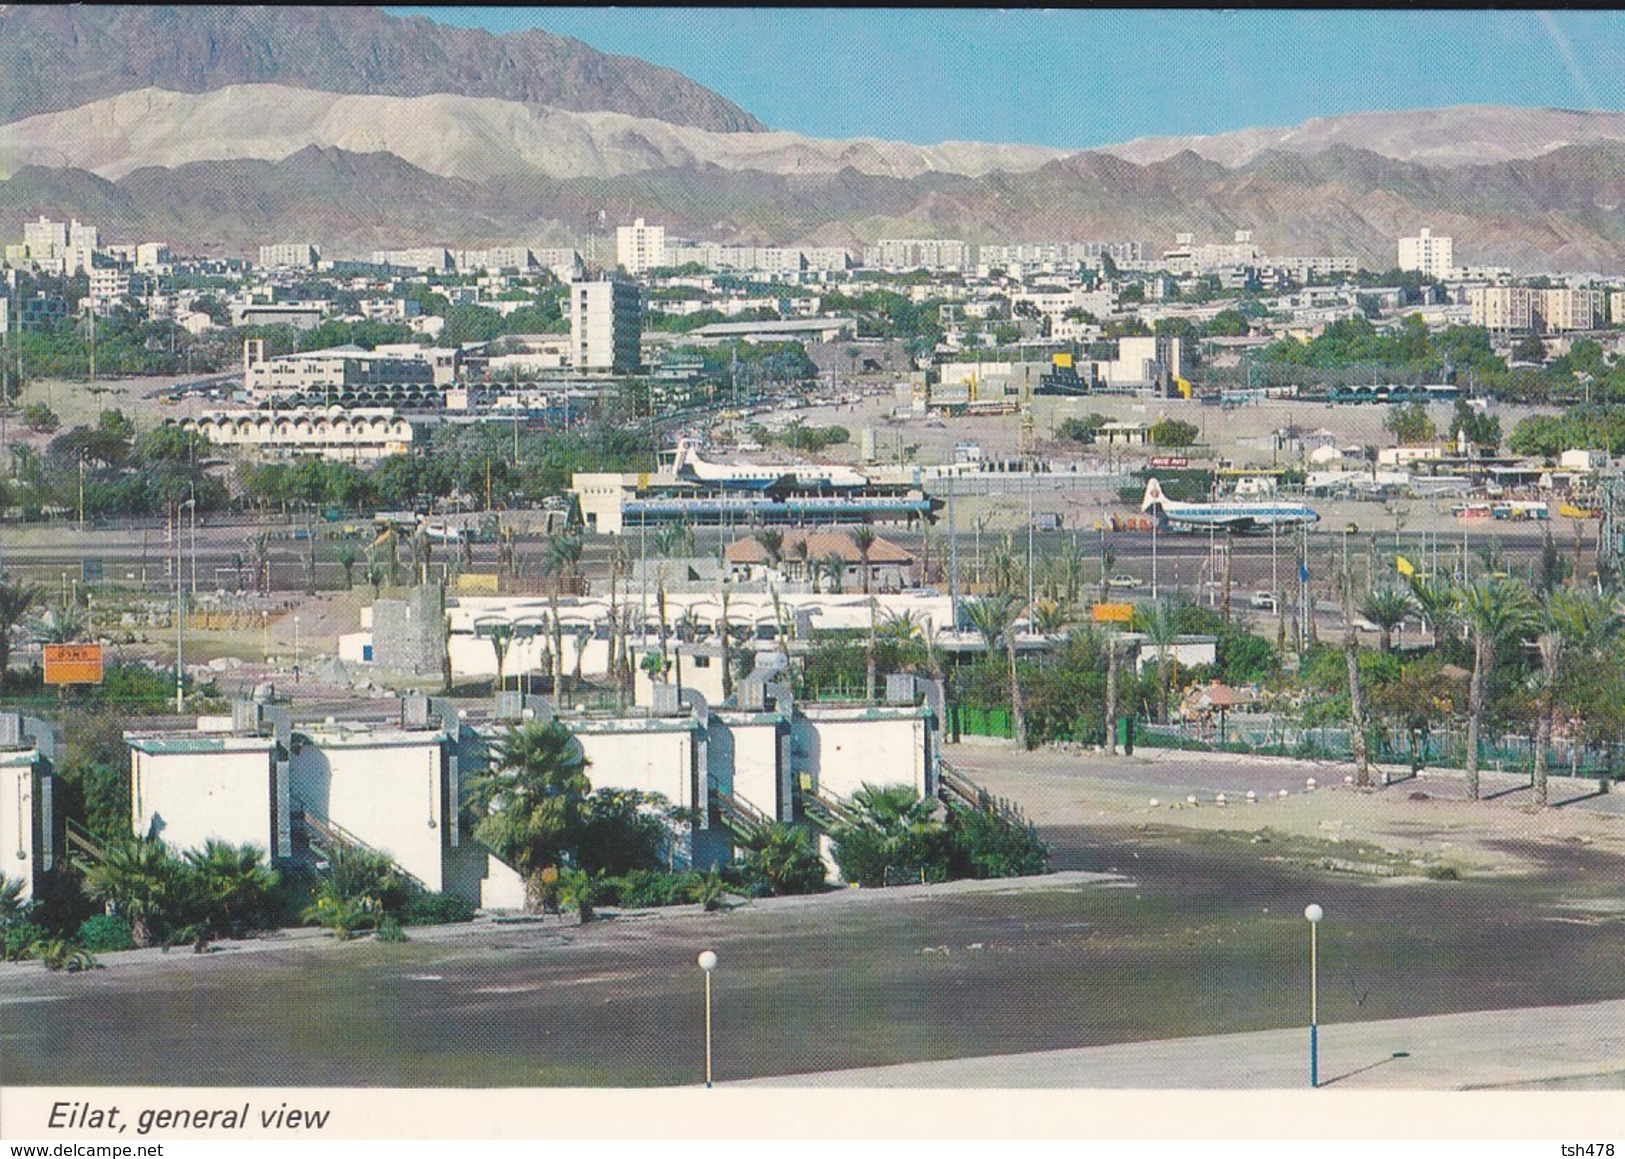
1562	1046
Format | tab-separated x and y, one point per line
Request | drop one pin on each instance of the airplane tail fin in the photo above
1153	495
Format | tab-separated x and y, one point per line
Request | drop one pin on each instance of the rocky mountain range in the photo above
229	127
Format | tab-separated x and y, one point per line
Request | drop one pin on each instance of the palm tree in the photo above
1435	603
1387	609
563	556
1492	609
995	616
869	654
895	828
1049	617
1351	655
1575	629
772	541
532	799
139	880
347	560
863	538
234	885
64	625
834	571
1161	630
12	906
501	636
15	601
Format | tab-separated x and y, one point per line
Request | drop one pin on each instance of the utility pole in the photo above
953	559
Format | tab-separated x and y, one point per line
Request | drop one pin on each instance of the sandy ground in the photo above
1424	824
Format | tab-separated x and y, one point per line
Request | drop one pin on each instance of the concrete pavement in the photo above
1567	1046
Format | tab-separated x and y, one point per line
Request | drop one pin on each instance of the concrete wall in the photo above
844	749
409	635
25	823
744	758
651	762
190	797
389	792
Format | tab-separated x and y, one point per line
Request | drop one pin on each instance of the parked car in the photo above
1123	581
1263	601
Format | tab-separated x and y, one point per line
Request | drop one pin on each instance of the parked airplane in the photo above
1238	517
746	476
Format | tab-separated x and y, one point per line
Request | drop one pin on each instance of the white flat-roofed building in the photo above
606	326
424	259
352	435
640	248
1433	256
190	788
937	253
290	255
30	837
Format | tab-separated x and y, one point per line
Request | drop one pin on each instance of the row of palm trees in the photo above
1571	632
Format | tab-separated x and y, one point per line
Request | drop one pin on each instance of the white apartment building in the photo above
424	259
60	248
1433	256
939	253
495	259
758	259
606	326
107	286
640	248
151	255
293	255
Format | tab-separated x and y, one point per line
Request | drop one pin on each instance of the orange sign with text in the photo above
73	663
1114	613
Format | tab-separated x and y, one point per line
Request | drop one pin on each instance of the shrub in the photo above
709	891
648	888
389	930
344	916
20	939
578	890
434	909
982	844
782	859
62	954
105	934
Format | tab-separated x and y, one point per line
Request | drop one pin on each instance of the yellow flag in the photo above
1404	565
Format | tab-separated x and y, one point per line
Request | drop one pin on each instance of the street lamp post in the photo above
1314	913
180	615
708	962
296	649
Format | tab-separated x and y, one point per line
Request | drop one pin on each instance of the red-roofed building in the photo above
829	560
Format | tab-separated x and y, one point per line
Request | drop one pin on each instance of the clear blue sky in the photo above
1072	79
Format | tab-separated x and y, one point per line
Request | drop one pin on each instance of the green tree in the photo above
532	799
1171	432
1410	424
142	881
1387	608
1493	609
1576	632
895	829
234	888
15	601
783	859
994	617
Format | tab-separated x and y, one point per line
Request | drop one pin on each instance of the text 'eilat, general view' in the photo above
555	548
